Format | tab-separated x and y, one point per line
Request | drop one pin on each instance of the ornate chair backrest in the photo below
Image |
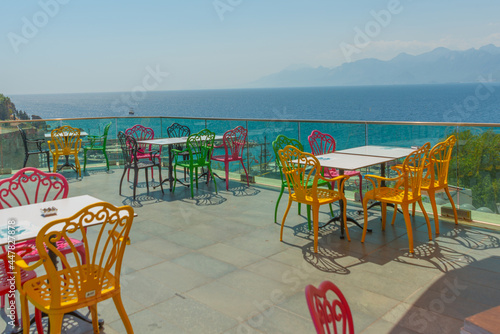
129	147
280	143
105	135
199	146
329	316
177	130
234	142
30	185
24	137
321	143
439	158
413	167
102	257
299	169
65	139
140	132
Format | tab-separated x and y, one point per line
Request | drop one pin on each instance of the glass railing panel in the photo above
346	135
404	135
151	122
261	159
475	170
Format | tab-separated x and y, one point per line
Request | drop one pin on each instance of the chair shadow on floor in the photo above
98	171
470	238
244	191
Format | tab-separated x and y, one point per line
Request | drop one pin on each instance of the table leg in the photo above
339	218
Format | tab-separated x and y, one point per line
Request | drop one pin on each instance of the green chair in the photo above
280	143
96	143
199	147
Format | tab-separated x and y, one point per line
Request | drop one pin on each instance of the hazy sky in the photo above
59	46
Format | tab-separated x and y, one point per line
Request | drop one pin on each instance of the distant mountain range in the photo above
440	65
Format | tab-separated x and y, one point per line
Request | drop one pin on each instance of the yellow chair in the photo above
300	170
78	284
406	191
65	141
436	176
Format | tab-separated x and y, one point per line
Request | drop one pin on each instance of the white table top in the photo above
349	161
29	219
169	141
82	134
379	151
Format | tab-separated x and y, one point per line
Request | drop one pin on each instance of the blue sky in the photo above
63	46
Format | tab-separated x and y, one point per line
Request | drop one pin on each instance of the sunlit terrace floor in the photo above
214	264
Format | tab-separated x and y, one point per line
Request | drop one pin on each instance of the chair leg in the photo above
55	159
409	229
284	217
128	176
394	214
383	214
136	177
365	211
309	217
48	161
105	157
226	168
175	179
213	178
38	321
121	311
147	181
278	202
246	173
452	204
121	180
95	318
77	164
55	321
432	199
159	175
25	314
26	160
426	218
12	305
344	217
191	180
361	188
84	160
315	209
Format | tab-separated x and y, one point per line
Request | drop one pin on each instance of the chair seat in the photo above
93	147
186	164
324	196
39	290
37	151
390	195
334	173
5	285
223	158
426	184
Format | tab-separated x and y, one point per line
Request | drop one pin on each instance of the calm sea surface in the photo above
474	103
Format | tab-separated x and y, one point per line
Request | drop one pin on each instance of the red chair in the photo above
30	185
329	316
323	143
233	142
140	132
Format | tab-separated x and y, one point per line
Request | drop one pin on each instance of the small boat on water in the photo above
131	112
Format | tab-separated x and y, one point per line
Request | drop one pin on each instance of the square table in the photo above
342	161
169	142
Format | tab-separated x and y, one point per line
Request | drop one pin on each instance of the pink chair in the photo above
233	142
140	132
329	316
322	143
31	185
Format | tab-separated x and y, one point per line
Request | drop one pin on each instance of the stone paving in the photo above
214	264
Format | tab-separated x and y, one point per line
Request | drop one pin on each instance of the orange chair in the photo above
329	316
300	170
78	284
406	191
436	176
65	141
